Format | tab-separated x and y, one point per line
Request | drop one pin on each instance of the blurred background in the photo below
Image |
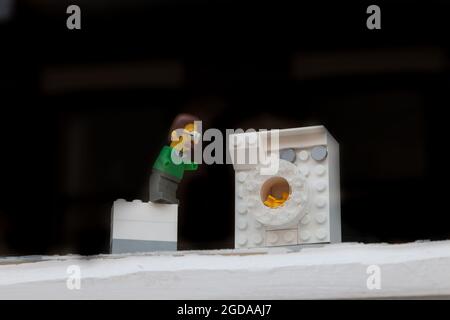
85	112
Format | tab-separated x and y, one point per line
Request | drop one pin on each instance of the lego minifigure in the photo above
172	161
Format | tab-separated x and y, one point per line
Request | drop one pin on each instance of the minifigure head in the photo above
183	124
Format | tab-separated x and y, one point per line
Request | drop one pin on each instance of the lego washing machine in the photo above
297	204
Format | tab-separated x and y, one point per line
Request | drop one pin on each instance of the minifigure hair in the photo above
181	121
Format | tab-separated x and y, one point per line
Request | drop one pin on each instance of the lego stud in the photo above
321	234
242	209
303	155
264	218
137	201
320	202
319	153
259	214
321	217
298	182
319	170
272	237
288	155
304	170
305	220
241	192
289	236
250	203
298	200
242	225
242	241
241	176
250	186
304	235
257	239
320	186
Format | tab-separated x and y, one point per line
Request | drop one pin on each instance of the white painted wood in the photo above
414	270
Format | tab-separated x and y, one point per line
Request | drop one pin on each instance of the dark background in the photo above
84	113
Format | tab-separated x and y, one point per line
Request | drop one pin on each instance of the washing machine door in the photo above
254	189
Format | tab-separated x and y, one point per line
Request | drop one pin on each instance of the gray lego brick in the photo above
130	246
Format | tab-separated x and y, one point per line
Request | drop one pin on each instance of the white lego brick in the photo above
147	221
145	230
145	211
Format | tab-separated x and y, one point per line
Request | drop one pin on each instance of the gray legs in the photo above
163	188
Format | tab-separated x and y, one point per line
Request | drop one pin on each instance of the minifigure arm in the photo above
166	163
190	166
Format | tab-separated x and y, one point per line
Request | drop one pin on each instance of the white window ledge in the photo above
413	270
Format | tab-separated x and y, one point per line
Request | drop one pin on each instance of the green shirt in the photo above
165	164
